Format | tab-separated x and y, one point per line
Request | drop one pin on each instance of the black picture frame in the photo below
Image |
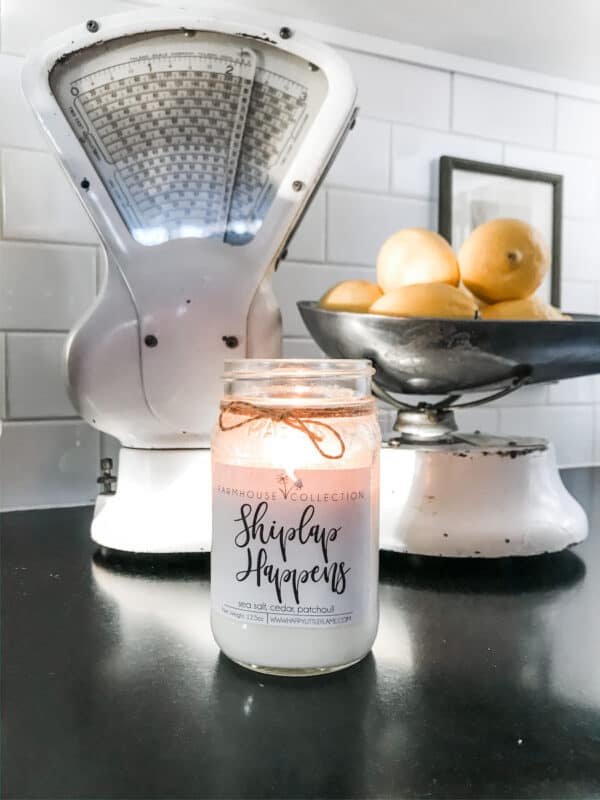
449	164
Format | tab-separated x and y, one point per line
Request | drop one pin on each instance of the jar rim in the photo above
241	368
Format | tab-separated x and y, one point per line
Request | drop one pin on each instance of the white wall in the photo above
384	179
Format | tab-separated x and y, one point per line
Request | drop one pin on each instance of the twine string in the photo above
287	416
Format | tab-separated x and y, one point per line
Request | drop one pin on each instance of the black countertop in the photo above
484	681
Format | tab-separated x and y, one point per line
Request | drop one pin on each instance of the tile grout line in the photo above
19	148
423	199
47	242
2	190
588	156
42	420
375	193
469	135
326	221
5	387
391	170
555	123
34	332
6	379
594	429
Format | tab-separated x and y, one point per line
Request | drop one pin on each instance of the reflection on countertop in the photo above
482	682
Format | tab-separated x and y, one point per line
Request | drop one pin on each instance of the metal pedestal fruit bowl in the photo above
448	493
442	356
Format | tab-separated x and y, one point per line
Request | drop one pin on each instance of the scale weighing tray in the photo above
421	355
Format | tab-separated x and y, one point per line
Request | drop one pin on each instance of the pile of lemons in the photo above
499	267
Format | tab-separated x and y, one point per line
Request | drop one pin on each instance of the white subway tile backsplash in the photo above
535	395
478	419
296	281
308	242
581	297
364	160
500	111
45	287
401	92
581	250
18	125
581	184
385	178
525	396
597	434
386	417
26	23
578	126
301	348
575	390
358	224
47	464
570	429
416	154
38	201
36	380
2	377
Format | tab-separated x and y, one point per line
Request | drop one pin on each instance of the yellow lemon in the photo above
477	300
415	255
350	296
504	259
426	300
529	308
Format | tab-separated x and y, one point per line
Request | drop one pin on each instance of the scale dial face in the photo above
191	132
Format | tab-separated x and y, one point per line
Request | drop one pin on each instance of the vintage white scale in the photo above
450	493
195	143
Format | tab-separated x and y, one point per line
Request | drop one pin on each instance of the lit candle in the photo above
294	564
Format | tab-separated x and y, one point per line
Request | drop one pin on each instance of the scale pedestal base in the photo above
482	497
162	504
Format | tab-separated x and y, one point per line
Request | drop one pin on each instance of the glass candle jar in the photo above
294	564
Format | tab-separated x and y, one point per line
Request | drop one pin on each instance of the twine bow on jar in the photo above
298	419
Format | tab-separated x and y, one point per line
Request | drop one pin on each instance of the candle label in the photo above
293	551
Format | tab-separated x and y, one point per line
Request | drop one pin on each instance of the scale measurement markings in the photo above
217	122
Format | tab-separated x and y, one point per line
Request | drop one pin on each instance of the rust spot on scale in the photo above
525	451
263	38
512	453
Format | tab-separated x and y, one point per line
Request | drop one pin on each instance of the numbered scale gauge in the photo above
191	139
195	144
